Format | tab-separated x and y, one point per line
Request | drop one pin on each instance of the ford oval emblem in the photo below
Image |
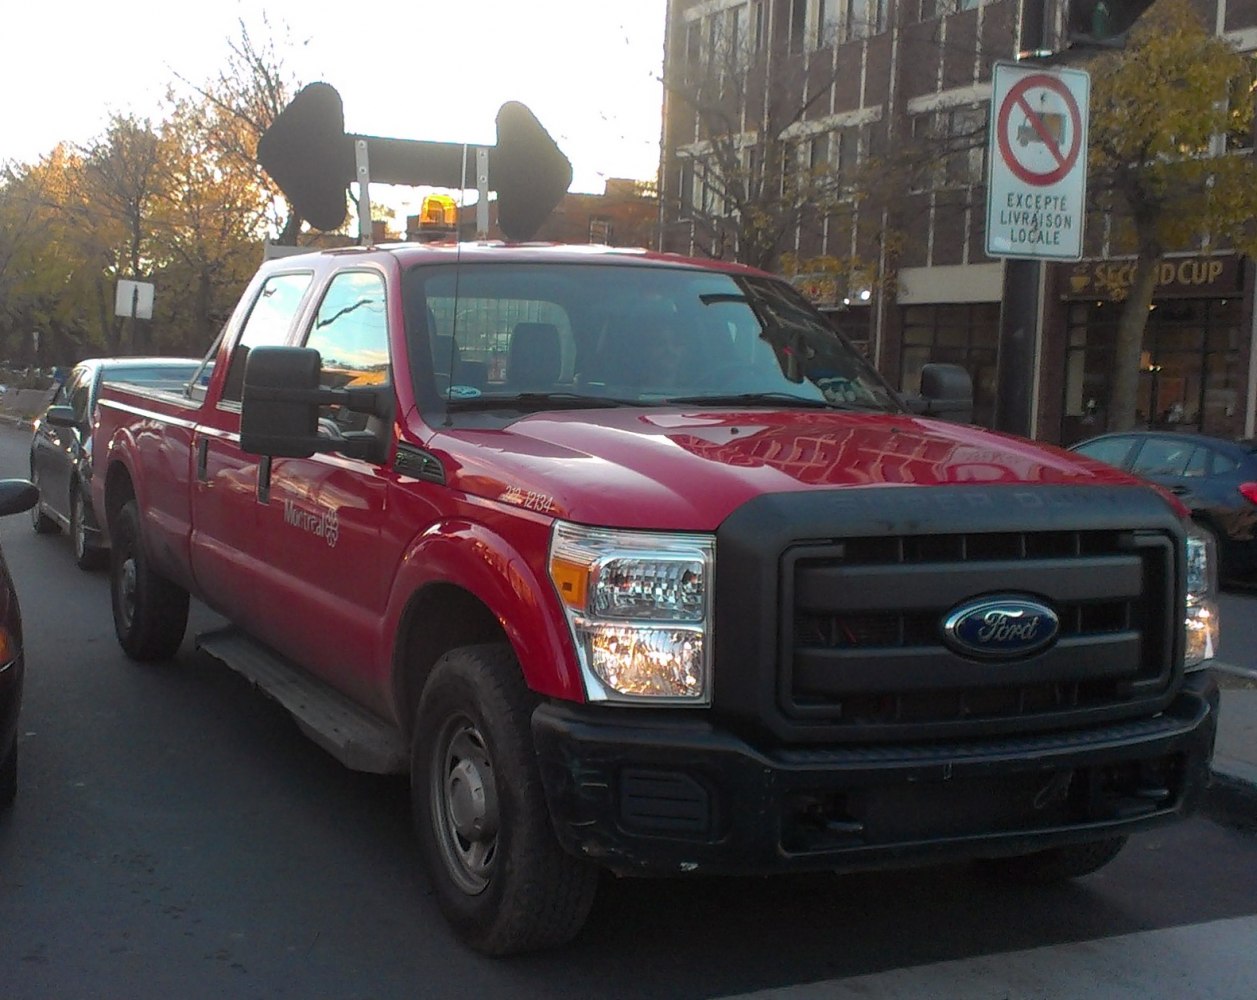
1001	627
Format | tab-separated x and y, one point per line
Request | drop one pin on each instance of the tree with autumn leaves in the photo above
1170	162
180	202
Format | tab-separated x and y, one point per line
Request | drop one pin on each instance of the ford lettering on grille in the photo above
997	628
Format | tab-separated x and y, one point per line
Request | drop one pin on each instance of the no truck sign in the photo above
1038	162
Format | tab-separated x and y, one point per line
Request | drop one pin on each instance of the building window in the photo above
798	25
723	42
965	132
1190	375
941	8
818	158
827	22
950	148
746	32
864	18
685	187
600	230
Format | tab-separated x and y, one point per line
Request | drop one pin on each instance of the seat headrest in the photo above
535	356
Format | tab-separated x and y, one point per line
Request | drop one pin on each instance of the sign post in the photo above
1036	204
135	300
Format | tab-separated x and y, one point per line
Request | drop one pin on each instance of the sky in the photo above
421	69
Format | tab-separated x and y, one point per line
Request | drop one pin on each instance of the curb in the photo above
1231	801
1231	798
1248	673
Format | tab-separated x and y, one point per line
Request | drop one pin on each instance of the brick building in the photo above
887	73
626	214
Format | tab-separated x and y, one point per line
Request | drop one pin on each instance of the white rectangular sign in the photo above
1037	188
134	298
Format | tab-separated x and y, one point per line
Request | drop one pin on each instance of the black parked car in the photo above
16	495
1214	477
61	456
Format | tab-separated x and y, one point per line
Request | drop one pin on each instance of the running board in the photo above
359	740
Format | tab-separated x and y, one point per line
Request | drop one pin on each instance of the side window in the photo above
350	332
1113	451
198	384
267	325
1223	464
1198	463
76	393
1162	457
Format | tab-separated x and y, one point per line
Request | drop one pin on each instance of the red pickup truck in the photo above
634	564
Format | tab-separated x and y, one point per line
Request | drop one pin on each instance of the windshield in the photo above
537	336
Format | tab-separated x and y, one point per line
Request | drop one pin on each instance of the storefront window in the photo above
1189	368
966	335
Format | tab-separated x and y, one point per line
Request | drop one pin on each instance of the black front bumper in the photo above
666	795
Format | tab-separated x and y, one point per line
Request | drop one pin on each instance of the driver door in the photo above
321	525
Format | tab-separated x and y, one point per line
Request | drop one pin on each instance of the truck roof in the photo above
409	254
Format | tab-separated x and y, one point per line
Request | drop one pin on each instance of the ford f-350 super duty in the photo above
632	563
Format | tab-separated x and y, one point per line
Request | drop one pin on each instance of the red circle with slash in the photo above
1065	160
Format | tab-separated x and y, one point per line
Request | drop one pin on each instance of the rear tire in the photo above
86	556
41	522
1056	864
150	613
8	776
501	878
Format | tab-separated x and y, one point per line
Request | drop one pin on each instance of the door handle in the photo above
202	458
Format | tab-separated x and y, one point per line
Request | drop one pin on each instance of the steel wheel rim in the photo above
465	810
77	528
37	509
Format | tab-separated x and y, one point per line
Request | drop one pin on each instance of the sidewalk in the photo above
1233	797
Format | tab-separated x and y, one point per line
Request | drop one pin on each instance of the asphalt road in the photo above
175	836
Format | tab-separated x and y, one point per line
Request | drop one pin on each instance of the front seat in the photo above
534	359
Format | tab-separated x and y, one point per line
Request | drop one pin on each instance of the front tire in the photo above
150	613
480	811
86	556
1056	864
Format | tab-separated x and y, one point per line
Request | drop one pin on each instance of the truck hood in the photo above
687	469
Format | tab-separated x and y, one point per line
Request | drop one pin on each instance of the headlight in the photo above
639	608
1202	625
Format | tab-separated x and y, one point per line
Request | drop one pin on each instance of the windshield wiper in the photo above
763	399
538	401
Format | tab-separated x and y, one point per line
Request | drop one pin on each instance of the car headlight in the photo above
639	609
1202	625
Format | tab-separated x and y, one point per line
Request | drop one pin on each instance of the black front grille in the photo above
862	628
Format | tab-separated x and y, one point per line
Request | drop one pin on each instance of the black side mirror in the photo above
61	416
946	392
279	409
17	495
279	412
